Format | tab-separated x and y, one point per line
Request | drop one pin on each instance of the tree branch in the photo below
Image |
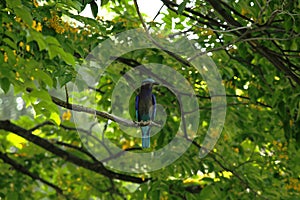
262	50
239	31
102	114
97	167
178	58
25	171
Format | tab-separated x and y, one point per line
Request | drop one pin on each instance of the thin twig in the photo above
156	15
67	94
178	58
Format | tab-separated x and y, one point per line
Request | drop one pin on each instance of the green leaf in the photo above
24	13
94	8
65	79
47	109
68	58
12	195
40	75
294	45
181	7
160	140
155	58
1	58
13	4
52	40
179	26
54	50
207	193
41	94
55	118
10	43
288	24
208	180
74	4
10	54
38	37
5	84
156	194
104	2
12	35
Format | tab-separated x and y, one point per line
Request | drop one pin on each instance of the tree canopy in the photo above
68	83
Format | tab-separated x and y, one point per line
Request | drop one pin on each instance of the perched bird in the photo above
145	108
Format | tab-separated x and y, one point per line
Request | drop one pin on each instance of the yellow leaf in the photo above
16	140
125	146
291	122
55	117
237	150
33	24
35	3
66	115
190	180
244	11
226	174
36	132
27	47
5	57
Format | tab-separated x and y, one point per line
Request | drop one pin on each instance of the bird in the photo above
145	108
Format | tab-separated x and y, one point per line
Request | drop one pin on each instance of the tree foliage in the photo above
255	46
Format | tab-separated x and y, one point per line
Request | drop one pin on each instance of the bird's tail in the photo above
145	136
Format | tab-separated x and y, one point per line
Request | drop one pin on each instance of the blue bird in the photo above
145	108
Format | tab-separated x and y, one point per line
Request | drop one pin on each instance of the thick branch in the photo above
262	50
227	17
211	21
86	132
97	167
25	171
220	6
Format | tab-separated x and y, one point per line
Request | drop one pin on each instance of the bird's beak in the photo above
155	83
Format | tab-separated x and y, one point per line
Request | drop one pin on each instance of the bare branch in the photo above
102	114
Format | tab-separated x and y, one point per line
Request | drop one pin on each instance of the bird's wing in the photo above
137	99
154	107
